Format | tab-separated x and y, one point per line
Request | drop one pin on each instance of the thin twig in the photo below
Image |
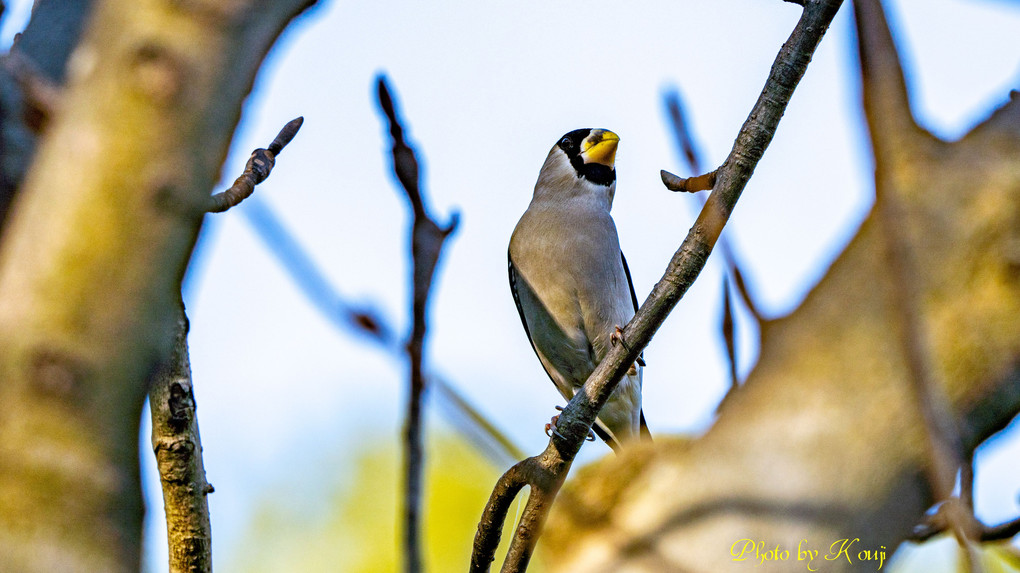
175	436
694	184
575	421
259	165
1007	530
427	239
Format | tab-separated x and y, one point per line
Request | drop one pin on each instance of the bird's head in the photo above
592	154
581	162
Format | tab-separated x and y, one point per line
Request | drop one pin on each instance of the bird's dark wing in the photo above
512	273
630	282
644	428
633	298
641	358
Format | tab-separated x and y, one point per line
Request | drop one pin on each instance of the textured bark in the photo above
91	262
825	442
178	448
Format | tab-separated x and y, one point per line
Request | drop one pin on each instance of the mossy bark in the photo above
91	262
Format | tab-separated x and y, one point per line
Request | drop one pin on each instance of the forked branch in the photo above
427	239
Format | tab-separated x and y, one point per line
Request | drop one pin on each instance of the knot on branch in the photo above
690	185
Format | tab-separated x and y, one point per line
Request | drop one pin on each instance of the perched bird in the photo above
569	278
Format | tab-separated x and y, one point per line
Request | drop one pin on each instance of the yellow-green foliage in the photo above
357	531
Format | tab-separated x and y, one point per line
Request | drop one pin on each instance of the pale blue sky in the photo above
485	90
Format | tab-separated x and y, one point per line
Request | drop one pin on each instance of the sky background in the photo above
485	89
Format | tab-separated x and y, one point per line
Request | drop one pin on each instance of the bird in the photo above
570	280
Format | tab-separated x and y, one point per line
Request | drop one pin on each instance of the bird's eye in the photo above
565	142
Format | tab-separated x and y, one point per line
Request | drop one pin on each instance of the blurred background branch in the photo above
427	239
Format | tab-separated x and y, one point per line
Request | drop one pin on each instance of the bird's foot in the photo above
552	424
550	428
617	337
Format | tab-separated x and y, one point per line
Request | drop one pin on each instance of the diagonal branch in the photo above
575	422
427	239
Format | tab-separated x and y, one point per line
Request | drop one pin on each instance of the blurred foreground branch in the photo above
93	253
545	473
427	239
886	100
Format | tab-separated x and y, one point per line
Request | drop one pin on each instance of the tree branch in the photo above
577	418
175	436
427	239
259	165
91	265
178	448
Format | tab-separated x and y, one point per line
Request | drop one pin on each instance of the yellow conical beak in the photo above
600	147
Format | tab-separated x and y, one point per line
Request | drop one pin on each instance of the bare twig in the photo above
575	422
259	165
682	131
1007	530
427	239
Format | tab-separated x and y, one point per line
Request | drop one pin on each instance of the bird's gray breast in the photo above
573	288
